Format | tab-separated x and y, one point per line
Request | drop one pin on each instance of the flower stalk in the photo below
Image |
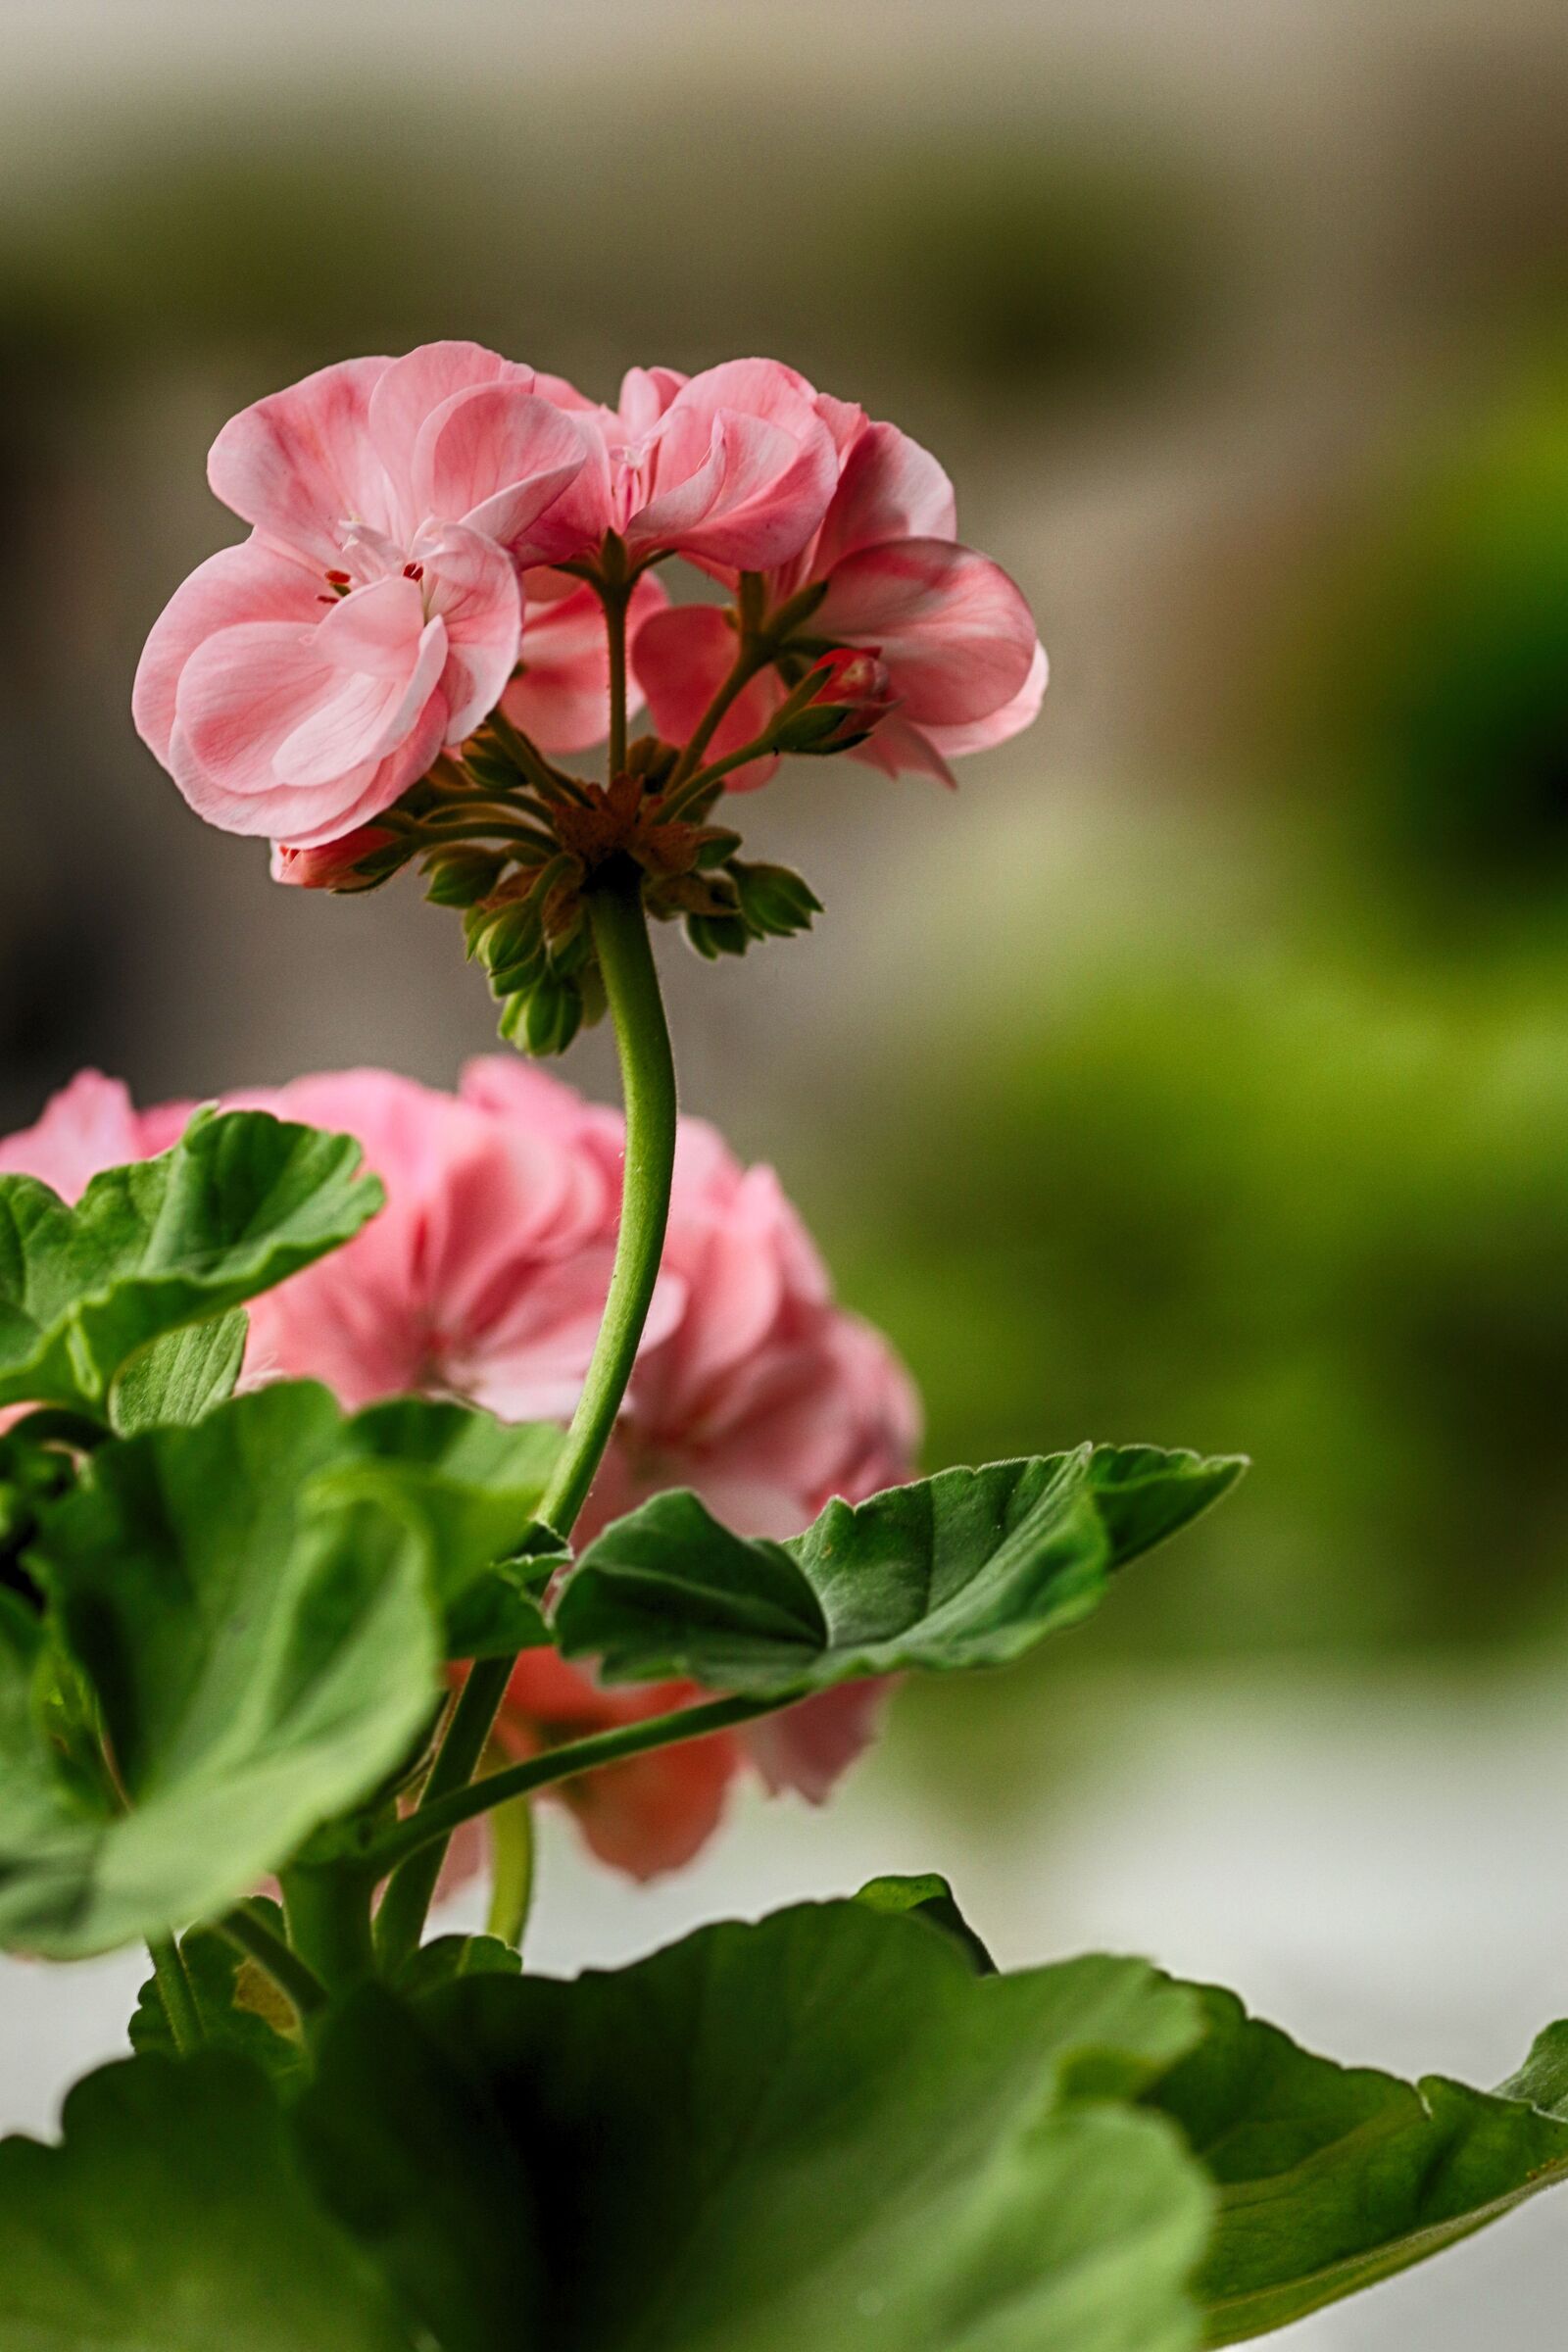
619	926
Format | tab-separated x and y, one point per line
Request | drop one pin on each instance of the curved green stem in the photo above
647	1080
512	1871
176	1993
749	658
436	1822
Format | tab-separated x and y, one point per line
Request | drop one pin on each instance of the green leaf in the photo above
173	2218
449	1957
969	1568
822	2130
929	1898
240	1203
477	1484
261	1657
1331	2178
239	2006
181	1376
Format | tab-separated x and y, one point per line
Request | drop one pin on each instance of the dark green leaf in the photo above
929	1898
449	1957
181	1376
262	1658
240	1203
1331	2178
239	2006
969	1568
174	2219
824	2131
477	1484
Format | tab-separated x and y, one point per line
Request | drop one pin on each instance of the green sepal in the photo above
775	901
969	1568
715	935
461	876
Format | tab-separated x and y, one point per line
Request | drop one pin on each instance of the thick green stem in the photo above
436	1822
647	1080
175	1991
287	1969
328	1914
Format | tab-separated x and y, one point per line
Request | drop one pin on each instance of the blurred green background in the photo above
1197	1074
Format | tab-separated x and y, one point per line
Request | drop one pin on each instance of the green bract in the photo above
242	1201
969	1568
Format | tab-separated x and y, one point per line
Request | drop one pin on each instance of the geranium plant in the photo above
376	1462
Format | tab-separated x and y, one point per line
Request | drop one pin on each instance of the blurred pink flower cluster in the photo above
409	518
484	1278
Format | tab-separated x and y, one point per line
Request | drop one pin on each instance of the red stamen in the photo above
413	571
339	580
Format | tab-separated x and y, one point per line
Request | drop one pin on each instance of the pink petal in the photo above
417	385
810	1748
776	472
497	457
561	699
682	658
241	695
300	462
896	749
645	394
953	743
956	634
89	1125
471	587
249	582
890	488
387	668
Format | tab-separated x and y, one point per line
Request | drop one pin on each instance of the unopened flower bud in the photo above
462	877
356	860
852	693
773	900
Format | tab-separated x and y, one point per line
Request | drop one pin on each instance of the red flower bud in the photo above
852	693
335	864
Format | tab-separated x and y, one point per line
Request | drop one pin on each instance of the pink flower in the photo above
953	632
560	693
298	683
90	1125
732	467
484	1277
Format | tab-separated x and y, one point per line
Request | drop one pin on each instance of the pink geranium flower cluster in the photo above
426	534
485	1277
